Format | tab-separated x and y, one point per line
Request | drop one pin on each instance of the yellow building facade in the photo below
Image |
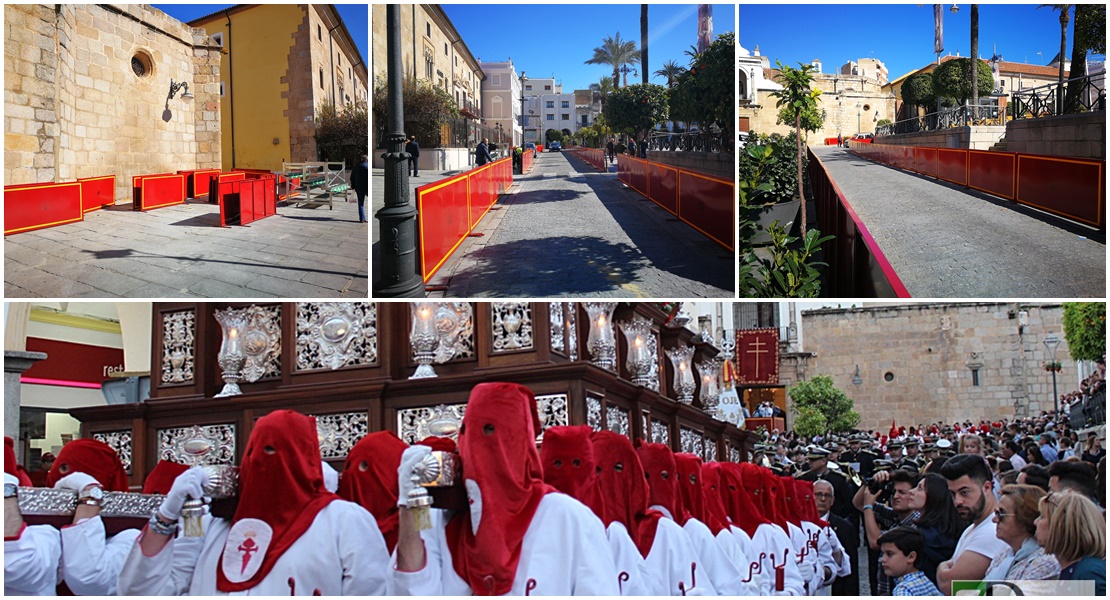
280	63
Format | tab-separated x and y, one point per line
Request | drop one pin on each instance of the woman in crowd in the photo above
939	522
1034	456
1015	519
1093	450
1073	529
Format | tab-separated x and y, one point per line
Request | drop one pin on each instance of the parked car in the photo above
866	138
554	147
530	146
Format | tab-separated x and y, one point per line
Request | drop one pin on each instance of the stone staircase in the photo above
999	146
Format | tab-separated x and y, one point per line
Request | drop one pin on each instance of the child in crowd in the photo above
900	549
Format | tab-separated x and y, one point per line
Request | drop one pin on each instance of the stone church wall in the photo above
74	106
930	351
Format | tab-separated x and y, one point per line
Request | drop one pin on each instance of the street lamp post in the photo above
397	219
859	114
1052	343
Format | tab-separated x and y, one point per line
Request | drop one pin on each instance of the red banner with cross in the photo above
757	356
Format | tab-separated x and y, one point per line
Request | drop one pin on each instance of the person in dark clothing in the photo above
481	153
612	150
848	534
413	148
839	141
360	182
632	147
643	148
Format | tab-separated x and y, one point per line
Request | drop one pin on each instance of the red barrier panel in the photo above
219	178
857	267
1063	186
664	186
926	161
448	210
992	172
32	206
97	192
247	200
197	181
526	160
704	202
708	205
595	157
952	165
157	191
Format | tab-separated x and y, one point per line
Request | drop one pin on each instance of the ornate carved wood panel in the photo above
512	326
198	444
333	335
178	346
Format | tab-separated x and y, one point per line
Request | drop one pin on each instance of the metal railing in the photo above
466	133
1088	412
691	141
958	116
1081	94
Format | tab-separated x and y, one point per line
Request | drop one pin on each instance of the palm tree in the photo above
692	53
644	42
669	71
974	63
615	52
601	90
1063	8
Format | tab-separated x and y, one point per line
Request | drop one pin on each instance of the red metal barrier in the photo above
32	206
595	157
449	209
97	192
157	191
526	160
1073	188
197	181
704	202
857	267
1064	186
217	179
247	200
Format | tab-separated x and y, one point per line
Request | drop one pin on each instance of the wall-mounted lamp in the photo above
174	87
856	378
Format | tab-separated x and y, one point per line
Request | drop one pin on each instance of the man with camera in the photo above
879	517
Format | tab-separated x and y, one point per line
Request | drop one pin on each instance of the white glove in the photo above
411	457
188	484
12	479
76	482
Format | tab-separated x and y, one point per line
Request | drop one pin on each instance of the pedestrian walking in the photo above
632	146
612	150
839	141
643	148
413	148
481	153
360	182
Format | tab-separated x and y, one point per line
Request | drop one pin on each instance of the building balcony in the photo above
470	109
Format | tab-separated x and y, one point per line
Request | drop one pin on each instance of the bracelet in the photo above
157	525
868	506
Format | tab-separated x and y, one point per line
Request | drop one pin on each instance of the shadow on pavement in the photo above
563	266
128	253
208	220
538	196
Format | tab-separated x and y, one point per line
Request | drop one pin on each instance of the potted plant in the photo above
777	199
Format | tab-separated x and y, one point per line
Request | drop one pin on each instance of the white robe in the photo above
773	542
805	558
31	562
724	568
341	553
91	561
672	557
564	552
628	560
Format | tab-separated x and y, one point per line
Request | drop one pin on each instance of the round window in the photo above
889	376
141	64
866	107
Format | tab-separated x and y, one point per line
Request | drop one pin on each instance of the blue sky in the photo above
899	35
355	16
547	40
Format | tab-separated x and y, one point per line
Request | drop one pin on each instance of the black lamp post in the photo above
1052	343
397	220
859	114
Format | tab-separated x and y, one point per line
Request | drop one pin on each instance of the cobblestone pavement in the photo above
565	230
179	251
945	241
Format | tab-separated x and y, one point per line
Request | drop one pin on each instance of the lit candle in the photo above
423	323
233	341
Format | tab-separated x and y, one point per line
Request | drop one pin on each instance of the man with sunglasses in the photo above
972	487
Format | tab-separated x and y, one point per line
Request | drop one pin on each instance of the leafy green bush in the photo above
341	134
952	80
637	108
1085	329
705	92
426	108
780	170
821	395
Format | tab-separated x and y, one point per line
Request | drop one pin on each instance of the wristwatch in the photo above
92	495
11	490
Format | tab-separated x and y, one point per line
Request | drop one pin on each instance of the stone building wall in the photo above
74	107
929	350
838	99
